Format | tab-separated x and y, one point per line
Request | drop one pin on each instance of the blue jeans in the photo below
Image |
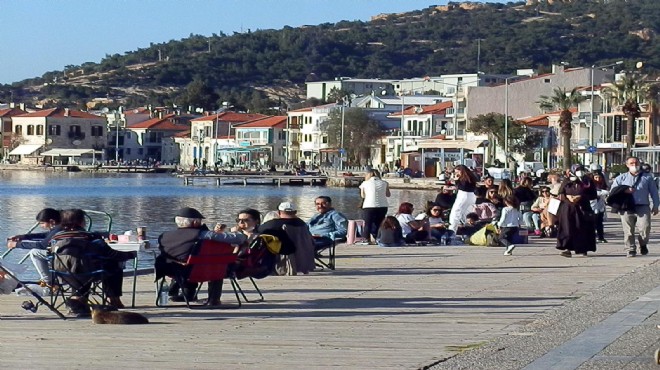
39	259
532	220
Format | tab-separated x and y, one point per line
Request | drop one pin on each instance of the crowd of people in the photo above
571	207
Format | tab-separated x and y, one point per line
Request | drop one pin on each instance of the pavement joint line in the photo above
589	343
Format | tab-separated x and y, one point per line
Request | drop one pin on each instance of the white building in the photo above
356	86
147	140
306	139
262	140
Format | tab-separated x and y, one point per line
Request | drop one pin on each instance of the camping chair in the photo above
324	252
29	305
75	273
209	261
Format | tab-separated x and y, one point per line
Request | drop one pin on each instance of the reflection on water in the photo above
152	200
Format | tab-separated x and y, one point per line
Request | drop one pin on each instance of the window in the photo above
30	130
140	151
640	128
18	130
97	131
40	130
54	130
324	139
547	80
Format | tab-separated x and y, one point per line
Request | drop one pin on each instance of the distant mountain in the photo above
246	68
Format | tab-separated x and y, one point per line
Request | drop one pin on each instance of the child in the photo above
509	223
390	233
471	226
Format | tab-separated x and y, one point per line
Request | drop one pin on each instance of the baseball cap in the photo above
286	207
188	212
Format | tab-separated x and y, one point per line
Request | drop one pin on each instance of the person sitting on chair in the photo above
80	251
38	243
176	246
328	224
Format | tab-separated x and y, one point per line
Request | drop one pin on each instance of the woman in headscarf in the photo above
466	183
575	226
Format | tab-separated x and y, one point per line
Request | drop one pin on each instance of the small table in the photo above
140	246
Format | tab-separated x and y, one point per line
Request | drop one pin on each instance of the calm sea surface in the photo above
152	200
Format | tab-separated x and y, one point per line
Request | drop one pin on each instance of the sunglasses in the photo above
246	220
435	210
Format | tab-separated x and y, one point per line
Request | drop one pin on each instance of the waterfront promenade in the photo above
418	307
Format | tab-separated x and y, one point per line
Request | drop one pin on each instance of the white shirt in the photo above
510	217
375	191
404	219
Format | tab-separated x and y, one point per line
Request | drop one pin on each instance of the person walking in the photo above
575	226
509	224
374	192
598	205
641	186
466	183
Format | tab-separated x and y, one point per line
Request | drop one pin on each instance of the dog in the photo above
110	315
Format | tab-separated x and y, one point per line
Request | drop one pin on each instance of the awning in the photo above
451	144
25	149
69	152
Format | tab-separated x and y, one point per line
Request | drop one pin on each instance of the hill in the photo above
265	68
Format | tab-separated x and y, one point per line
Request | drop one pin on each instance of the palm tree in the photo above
563	100
628	92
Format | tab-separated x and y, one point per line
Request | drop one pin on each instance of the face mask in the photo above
633	169
572	178
579	174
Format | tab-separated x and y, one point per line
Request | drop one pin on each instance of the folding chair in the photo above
29	305
209	261
75	273
324	252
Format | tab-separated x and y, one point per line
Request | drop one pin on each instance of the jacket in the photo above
620	200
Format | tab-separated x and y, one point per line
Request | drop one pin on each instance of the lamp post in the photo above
591	104
117	119
341	139
506	112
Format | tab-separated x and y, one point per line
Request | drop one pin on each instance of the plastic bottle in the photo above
163	296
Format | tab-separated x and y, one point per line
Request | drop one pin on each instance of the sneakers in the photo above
603	240
566	254
509	250
632	254
537	232
643	250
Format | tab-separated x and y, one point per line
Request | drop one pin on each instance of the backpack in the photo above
258	260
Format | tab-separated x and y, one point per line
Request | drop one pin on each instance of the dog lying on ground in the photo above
110	315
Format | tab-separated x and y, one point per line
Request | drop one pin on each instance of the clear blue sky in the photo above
46	35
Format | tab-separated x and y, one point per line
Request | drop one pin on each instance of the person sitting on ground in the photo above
445	198
80	251
176	246
472	225
526	196
296	239
38	243
437	224
539	215
413	230
488	182
328	224
390	233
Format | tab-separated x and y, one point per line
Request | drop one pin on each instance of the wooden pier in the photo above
257	178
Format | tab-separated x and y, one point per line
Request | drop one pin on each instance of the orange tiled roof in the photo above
274	121
233	117
60	112
10	112
440	108
535	121
157	123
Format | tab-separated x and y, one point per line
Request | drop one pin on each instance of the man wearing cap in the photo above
328	224
297	239
175	247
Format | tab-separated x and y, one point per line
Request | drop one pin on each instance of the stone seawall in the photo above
395	183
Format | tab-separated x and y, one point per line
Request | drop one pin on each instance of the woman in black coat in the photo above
576	229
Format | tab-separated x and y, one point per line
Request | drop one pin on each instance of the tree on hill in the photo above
198	95
563	100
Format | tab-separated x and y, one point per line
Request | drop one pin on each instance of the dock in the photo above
445	307
256	178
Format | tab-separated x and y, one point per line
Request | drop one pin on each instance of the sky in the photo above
43	35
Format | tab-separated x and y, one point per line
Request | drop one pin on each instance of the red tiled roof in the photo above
536	121
10	112
60	112
274	121
233	117
440	108
157	123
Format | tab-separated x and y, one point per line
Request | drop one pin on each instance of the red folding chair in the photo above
209	261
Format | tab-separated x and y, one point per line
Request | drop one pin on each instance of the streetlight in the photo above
341	140
591	103
225	106
117	119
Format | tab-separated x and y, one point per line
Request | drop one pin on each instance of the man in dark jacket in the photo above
176	245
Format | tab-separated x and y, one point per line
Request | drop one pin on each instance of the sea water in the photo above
152	200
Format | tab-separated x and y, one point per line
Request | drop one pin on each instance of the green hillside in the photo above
246	68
